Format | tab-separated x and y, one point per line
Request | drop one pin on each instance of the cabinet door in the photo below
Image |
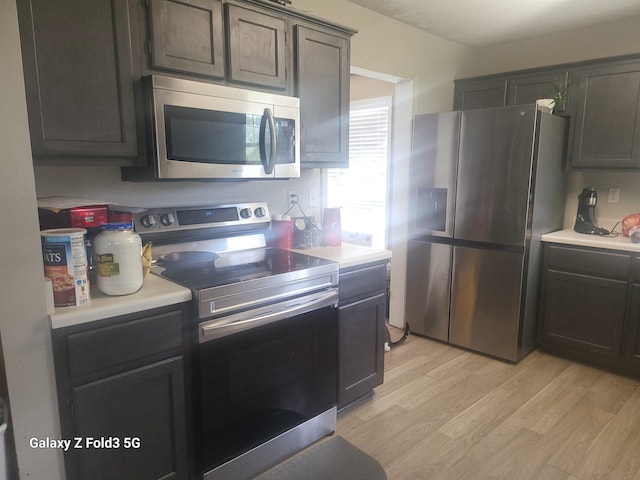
482	93
607	125
187	36
361	348
146	404
79	78
584	314
256	47
322	78
631	353
531	87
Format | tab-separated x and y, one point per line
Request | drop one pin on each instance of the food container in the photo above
634	234
76	217
65	263
118	251
281	234
305	233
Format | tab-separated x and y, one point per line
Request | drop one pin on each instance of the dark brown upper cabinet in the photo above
83	63
528	88
607	121
256	47
79	79
322	83
603	104
187	36
480	93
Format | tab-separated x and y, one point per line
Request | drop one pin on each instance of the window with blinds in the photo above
361	190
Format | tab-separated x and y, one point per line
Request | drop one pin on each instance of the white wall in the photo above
607	40
103	183
24	327
394	48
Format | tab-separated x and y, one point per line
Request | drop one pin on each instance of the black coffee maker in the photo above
586	217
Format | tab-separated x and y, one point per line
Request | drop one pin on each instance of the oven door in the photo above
262	374
206	131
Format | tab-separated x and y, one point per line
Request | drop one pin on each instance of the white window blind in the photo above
361	190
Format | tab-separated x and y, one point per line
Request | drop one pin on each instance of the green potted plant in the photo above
559	94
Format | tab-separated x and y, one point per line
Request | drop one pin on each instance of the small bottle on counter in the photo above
118	251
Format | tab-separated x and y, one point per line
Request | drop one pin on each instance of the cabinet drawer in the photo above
363	281
589	262
107	347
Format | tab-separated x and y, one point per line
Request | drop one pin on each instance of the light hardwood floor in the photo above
445	413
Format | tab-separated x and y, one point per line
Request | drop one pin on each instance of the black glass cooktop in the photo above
236	267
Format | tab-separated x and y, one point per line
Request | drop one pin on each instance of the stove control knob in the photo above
148	221
167	219
245	213
260	212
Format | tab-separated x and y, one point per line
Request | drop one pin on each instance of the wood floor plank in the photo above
480	418
583	425
449	414
432	454
618	446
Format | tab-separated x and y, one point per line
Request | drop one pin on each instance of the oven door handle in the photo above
221	327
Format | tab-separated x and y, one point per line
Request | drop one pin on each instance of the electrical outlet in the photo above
614	195
292	197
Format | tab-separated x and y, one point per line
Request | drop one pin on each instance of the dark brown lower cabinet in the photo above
361	318
122	393
590	306
128	424
631	346
585	313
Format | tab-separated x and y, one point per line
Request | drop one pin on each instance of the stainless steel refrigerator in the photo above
486	184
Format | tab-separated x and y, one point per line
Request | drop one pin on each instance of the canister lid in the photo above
117	226
63	232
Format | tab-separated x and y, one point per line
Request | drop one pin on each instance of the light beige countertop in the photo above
159	292
569	237
155	292
348	254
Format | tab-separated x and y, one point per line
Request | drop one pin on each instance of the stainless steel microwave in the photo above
204	131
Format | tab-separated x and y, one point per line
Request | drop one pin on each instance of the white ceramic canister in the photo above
65	263
118	251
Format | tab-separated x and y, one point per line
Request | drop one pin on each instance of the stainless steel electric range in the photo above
264	335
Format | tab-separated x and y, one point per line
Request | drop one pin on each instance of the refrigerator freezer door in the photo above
434	161
494	174
428	282
485	301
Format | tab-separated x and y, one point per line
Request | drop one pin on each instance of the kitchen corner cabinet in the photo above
187	36
122	396
607	117
79	79
590	306
322	63
361	331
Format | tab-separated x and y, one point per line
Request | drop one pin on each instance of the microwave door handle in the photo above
267	162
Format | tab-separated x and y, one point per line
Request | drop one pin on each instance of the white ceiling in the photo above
481	23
